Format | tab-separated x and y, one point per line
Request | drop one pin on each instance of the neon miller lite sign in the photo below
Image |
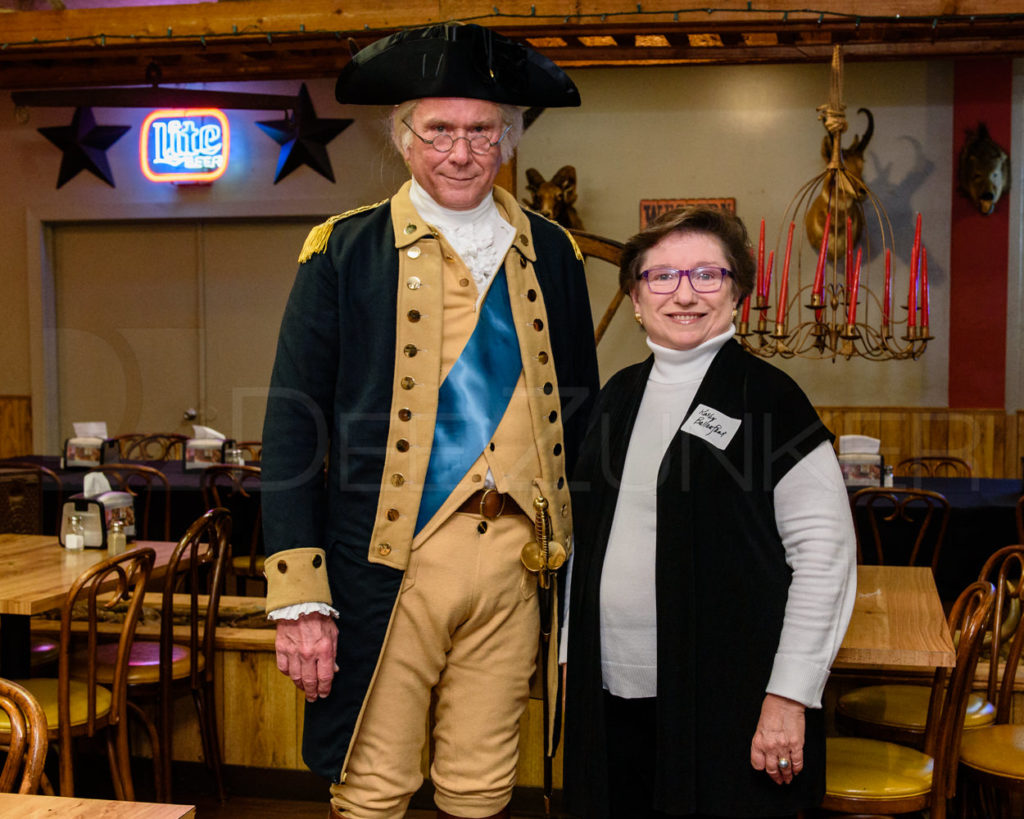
184	145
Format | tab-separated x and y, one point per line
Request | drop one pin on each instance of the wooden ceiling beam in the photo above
264	39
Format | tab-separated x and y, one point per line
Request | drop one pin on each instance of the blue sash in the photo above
473	398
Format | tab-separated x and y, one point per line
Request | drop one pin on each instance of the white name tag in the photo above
713	426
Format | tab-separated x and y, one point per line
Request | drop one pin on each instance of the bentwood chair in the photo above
77	705
231	487
1020	519
898	712
141	482
23	721
52	526
897	526
126	440
251	450
992	758
869	776
163	446
184	660
934	466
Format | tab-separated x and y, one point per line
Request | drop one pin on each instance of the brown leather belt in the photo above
490	504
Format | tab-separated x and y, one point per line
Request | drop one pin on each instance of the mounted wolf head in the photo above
984	170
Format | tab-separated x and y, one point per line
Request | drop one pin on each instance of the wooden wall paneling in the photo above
262	712
893	430
832	421
15	425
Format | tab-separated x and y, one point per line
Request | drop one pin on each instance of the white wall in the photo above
753	134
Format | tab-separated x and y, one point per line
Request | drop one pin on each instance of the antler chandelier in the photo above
836	313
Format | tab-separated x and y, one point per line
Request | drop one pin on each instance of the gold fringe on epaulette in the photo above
316	241
572	239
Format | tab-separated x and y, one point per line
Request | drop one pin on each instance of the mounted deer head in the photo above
984	170
841	192
555	198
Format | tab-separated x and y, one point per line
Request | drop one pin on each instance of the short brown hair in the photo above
724	226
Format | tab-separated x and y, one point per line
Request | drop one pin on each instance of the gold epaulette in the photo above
572	240
565	230
316	241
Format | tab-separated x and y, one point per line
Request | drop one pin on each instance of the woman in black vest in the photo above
714	567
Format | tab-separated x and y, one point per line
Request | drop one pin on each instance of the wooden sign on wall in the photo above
650	208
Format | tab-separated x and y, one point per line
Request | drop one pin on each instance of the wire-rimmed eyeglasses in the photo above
478	144
664	280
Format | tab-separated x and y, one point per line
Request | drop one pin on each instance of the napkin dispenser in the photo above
860	460
203	452
96	516
85	452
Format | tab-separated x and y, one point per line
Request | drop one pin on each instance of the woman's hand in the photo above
779	736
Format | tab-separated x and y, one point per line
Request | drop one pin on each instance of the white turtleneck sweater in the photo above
481	237
813	518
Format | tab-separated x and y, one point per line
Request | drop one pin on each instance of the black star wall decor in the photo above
303	138
85	145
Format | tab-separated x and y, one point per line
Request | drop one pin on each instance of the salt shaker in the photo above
887	479
75	538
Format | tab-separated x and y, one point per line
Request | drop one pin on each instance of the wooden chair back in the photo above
607	250
163	446
971	616
1005	569
52	526
252	450
1020	519
126	441
230	487
140	481
934	466
196	568
117	583
899	526
27	739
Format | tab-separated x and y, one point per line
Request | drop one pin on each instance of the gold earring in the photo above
639	319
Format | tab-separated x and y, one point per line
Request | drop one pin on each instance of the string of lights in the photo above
786	16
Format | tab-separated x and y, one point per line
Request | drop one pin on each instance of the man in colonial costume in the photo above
437	353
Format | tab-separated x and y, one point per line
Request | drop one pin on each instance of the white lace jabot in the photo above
480	236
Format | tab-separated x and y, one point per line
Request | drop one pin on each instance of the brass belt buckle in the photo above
483	503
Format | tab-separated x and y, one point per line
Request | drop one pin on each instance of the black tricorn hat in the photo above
453	60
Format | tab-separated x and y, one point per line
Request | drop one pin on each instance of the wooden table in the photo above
897	621
47	807
36	573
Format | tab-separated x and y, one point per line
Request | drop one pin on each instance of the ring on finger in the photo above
783	763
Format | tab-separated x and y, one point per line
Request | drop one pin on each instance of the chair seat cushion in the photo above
868	768
44	689
143	662
997	749
906	706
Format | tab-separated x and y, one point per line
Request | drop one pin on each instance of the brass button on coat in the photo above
408	383
531	295
317	561
384	549
402	445
481	527
282	567
548	388
410	229
538	325
413	282
542	357
397	479
463	282
413	252
393	514
414	316
404	414
524	239
410	350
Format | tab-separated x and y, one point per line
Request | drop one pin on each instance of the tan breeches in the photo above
465	632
